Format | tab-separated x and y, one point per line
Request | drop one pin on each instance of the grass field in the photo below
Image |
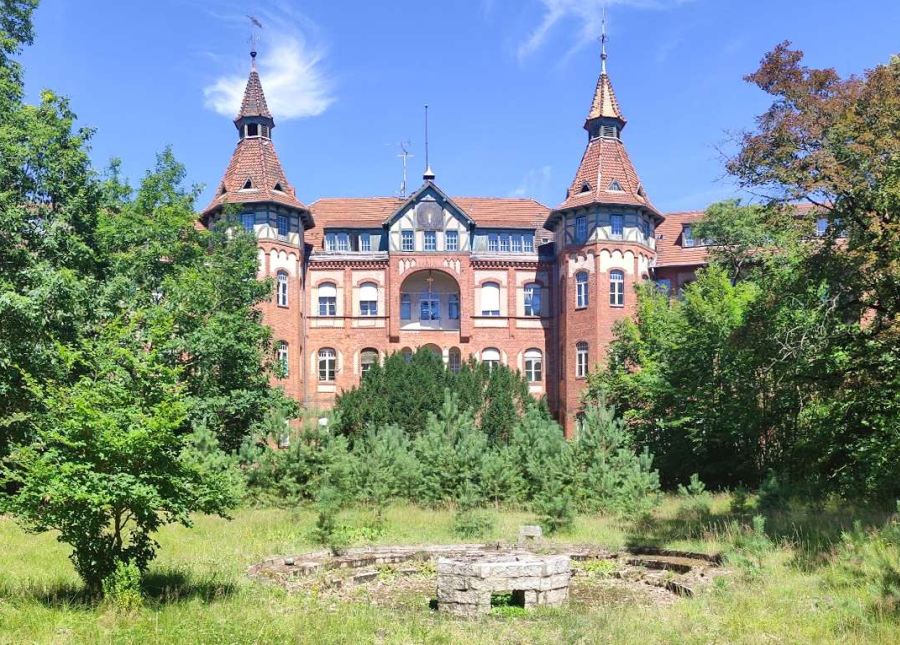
197	591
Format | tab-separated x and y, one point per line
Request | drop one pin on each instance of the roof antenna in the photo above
429	173
405	155
603	42
255	24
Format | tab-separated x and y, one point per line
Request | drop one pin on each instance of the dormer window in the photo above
615	186
223	190
248	185
609	131
585	187
252	129
279	188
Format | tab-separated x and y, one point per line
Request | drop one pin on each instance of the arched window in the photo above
368	299
490	357
405	306
581	290
581	359
407	354
281	289
616	288
534	365
454	359
327	299
533	299
327	364
367	358
490	299
283	358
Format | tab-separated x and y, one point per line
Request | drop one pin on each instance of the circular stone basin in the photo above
465	585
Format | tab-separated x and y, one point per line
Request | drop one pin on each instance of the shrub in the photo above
609	474
468	520
696	502
555	508
122	587
750	546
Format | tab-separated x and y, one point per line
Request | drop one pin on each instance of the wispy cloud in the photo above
535	183
291	67
586	15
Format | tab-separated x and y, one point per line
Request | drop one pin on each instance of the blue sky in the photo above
508	81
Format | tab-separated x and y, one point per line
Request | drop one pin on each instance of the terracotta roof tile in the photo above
254	103
669	244
254	159
605	163
362	212
605	103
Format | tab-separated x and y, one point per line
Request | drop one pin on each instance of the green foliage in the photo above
132	355
600	568
555	508
870	559
122	587
468	520
750	546
405	392
696	502
609	474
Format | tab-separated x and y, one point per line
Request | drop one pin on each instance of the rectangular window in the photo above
430	241
581	360
616	288
528	244
453	307
617	225
407	241
365	242
664	285
504	243
429	308
515	244
580	228
451	241
327	306
368	307
343	242
493	242
645	229
821	226
247	221
532	300
283	223
330	242
687	236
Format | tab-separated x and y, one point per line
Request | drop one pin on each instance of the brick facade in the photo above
461	276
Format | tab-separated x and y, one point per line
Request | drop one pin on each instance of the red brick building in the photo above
504	280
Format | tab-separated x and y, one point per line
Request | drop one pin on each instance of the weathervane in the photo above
255	25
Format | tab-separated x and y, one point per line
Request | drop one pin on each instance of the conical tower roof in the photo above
254	174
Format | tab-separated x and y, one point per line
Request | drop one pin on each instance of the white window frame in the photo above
368	299
485	288
430	243
491	357
283	356
532	301
407	240
365	242
581	359
534	365
451	241
327	365
281	288
617	288
327	301
582	291
493	243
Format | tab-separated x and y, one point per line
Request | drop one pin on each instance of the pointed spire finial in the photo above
603	43
429	173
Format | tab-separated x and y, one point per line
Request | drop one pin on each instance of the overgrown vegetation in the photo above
780	362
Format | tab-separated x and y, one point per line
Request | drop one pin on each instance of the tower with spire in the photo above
256	192
605	245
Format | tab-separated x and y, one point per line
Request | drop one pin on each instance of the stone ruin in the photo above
465	586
